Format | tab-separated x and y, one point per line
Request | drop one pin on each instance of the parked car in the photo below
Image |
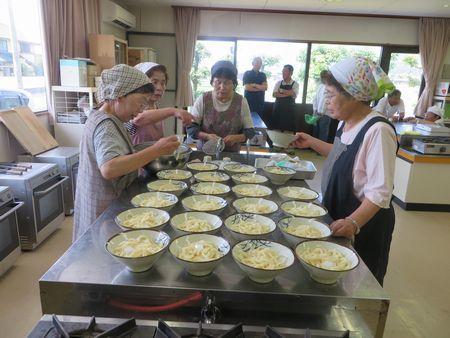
10	98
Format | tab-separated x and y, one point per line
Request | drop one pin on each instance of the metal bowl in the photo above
166	161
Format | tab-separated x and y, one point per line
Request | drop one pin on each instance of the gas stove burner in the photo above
91	331
165	331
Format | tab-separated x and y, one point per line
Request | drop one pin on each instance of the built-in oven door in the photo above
48	201
9	236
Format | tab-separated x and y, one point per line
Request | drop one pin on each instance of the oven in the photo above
9	237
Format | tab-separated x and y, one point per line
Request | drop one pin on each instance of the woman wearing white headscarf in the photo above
108	163
358	173
148	125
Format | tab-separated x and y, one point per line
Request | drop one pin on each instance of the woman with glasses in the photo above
222	113
148	125
108	162
358	172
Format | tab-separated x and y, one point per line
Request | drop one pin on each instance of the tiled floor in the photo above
417	278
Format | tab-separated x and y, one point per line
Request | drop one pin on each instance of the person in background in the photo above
357	177
432	115
255	83
148	125
326	126
285	92
108	163
392	105
222	112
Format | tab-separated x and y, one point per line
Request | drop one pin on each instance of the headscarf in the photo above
119	81
144	67
362	78
435	110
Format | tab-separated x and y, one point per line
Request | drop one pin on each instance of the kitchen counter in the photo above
86	280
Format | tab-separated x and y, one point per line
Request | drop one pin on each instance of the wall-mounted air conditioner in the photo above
113	14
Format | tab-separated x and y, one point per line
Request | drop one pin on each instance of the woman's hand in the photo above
183	115
231	140
166	145
211	137
343	228
302	141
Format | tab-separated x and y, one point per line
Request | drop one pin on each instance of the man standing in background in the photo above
255	83
392	105
285	92
326	126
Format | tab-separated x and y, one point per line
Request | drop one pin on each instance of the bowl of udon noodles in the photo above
251	190
155	199
238	168
326	262
297	193
255	205
252	178
210	188
297	229
195	222
278	175
247	226
262	260
205	203
199	254
197	167
171	186
175	174
138	249
142	218
211	176
303	209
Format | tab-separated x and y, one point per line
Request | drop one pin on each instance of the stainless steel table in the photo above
87	281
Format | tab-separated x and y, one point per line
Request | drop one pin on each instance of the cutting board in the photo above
28	131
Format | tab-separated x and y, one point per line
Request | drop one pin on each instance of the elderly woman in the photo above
358	173
222	112
148	125
108	163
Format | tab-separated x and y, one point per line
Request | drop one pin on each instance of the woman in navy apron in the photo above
357	179
285	93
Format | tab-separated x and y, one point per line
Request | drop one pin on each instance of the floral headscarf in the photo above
362	78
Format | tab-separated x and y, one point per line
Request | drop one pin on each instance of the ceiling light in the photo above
330	1
446	5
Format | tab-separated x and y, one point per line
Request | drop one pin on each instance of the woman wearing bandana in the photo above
358	173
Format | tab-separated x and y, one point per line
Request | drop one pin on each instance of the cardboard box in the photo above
73	72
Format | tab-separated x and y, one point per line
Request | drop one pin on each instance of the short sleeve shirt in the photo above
255	99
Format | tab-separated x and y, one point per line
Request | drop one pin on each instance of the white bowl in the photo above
205	188
241	234
138	264
261	275
141	200
323	275
280	139
279	175
211	176
293	239
297	193
251	190
310	210
178	220
171	186
199	268
241	205
174	174
249	178
238	168
160	217
193	203
202	166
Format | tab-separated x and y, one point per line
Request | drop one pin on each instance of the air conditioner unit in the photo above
118	16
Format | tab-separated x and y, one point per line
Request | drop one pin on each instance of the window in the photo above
405	71
21	54
325	55
208	52
274	55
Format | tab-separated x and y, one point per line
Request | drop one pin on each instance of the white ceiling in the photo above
383	7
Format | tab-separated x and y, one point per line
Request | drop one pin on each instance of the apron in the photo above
374	240
94	193
283	111
224	123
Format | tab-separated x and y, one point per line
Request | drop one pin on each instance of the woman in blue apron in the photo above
285	93
358	173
